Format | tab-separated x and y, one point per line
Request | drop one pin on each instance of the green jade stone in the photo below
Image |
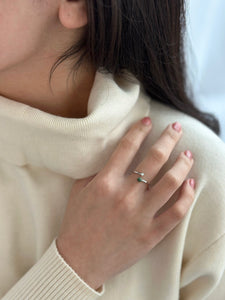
139	179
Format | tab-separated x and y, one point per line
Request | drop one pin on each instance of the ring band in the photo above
141	174
139	179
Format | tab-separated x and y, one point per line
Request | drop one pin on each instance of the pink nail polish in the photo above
188	154
192	183
176	126
146	121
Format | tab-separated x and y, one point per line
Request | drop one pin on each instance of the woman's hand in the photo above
110	221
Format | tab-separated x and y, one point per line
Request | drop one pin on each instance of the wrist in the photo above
79	268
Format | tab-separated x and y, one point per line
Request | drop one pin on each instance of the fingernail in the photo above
146	121
192	183
177	126
188	153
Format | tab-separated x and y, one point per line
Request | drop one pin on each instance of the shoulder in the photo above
204	222
207	147
208	170
208	151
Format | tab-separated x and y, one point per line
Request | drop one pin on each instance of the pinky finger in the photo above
168	220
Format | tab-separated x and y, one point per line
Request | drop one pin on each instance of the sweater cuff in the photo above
50	278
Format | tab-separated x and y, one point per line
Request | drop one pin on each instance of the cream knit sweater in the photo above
41	155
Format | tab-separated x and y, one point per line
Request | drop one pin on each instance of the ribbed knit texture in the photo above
52	278
42	155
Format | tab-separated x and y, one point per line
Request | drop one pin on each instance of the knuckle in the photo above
128	143
127	205
179	211
186	160
172	134
172	180
125	208
142	129
158	154
189	194
105	185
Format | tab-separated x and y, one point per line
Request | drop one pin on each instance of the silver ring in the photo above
139	179
136	172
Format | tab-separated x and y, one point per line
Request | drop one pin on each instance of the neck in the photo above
29	84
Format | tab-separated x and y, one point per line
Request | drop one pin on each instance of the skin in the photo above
33	34
120	212
121	217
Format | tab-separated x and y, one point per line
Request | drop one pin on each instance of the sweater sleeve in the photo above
52	278
203	277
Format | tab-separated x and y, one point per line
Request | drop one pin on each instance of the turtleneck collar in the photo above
75	147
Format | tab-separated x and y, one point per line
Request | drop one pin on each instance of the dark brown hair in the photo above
145	37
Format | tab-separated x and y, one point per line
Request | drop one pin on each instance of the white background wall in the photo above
206	35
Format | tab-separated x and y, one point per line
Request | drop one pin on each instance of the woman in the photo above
130	226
